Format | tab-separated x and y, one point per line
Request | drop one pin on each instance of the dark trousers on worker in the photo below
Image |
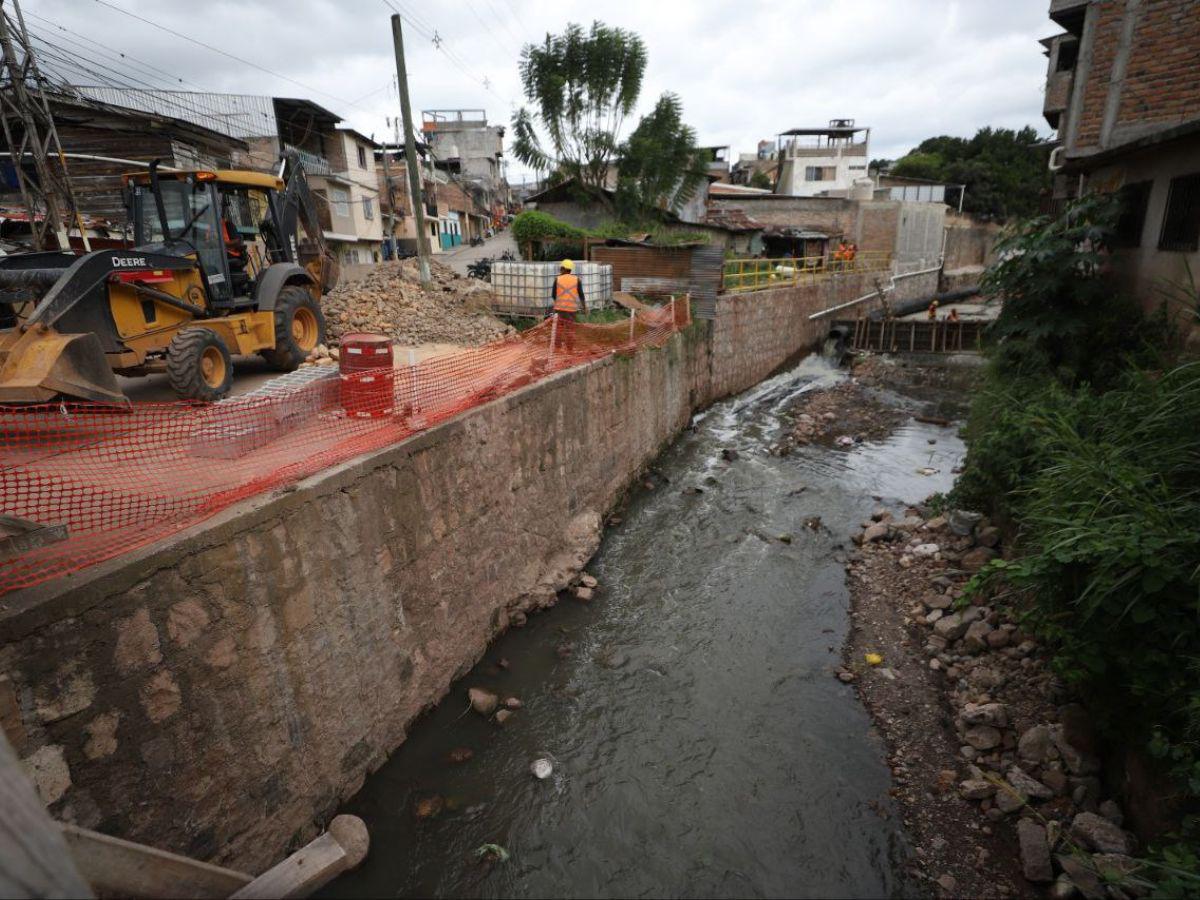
564	331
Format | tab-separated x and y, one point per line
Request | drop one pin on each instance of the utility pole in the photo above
410	153
49	195
391	198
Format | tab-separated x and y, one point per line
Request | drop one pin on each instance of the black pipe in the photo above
908	307
23	278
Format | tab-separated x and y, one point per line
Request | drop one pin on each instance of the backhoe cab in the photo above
219	267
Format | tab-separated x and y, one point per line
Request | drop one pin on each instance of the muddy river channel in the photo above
699	741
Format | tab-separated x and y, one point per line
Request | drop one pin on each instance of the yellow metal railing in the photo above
755	273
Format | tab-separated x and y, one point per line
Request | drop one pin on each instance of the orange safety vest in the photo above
566	300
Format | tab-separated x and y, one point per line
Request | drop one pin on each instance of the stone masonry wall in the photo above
220	693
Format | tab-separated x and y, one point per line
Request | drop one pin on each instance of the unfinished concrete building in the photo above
1123	93
822	162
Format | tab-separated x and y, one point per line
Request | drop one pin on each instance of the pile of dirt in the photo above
390	300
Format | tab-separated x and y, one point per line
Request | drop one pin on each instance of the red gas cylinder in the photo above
368	376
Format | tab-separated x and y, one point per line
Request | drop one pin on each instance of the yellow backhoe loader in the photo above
218	267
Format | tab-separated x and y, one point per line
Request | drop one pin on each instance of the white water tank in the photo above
862	189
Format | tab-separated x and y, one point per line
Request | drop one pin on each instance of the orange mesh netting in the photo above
122	479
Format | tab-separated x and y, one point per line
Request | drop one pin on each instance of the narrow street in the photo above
460	257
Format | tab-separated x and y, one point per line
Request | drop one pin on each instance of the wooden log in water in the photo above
338	850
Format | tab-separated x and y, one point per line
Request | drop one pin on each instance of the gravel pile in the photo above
391	301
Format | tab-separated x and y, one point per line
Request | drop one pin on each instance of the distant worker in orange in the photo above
841	255
568	301
953	315
932	312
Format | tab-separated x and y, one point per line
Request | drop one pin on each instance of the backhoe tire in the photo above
199	366
299	328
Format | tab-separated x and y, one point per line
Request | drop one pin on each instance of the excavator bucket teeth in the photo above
42	367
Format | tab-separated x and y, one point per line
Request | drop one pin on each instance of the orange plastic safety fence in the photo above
119	480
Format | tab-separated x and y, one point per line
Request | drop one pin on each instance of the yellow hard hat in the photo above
568	265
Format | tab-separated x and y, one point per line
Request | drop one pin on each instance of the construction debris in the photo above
390	300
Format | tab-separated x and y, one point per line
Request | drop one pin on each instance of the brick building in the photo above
1123	92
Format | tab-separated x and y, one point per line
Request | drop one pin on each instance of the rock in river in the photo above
483	702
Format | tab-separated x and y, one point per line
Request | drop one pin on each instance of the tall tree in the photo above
580	86
1004	170
660	166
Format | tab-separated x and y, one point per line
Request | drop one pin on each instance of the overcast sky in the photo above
745	70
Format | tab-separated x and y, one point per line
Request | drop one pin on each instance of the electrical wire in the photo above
440	43
224	53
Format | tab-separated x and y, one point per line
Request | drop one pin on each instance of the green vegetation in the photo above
1004	170
580	87
761	181
555	239
1083	438
659	164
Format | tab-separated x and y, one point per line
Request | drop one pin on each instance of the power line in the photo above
124	56
224	53
440	43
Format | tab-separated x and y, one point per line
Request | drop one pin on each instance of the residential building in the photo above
103	141
761	161
347	192
1123	94
822	162
462	141
911	232
338	161
716	161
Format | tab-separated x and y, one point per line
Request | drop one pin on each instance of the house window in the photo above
362	156
339	202
1134	200
368	208
820	173
1068	54
1181	224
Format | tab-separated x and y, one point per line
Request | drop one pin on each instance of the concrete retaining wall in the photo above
219	694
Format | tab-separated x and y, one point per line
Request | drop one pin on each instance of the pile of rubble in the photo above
841	416
1025	754
390	300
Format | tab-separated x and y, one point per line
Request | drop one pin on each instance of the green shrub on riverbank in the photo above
1090	452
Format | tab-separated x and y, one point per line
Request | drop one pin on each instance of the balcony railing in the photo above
756	274
314	163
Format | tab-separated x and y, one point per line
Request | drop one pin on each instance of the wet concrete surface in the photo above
701	745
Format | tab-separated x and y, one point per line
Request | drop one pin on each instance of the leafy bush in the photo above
1060	310
533	225
1110	541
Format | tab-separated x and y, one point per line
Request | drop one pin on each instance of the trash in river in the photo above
491	853
845	441
926	470
873	659
428	807
541	768
461	754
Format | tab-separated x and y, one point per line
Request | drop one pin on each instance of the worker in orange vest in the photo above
568	301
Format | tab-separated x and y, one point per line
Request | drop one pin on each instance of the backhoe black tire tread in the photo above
287	356
183	365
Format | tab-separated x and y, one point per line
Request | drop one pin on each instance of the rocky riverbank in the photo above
996	770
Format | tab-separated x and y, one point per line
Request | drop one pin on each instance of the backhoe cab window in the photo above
191	217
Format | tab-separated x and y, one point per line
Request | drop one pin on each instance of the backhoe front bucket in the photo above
42	364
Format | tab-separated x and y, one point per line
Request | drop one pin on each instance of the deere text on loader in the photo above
218	268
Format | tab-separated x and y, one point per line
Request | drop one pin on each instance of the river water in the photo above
701	746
